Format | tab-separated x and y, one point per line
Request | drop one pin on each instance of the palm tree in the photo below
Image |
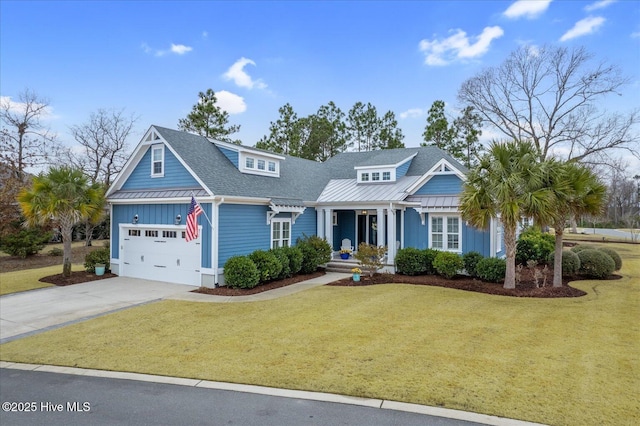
576	191
65	196
507	184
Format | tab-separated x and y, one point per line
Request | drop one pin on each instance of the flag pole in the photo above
203	212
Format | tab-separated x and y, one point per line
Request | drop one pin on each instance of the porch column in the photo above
380	233
402	228
319	223
391	236
328	226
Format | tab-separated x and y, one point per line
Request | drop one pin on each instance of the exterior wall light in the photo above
135	219
178	220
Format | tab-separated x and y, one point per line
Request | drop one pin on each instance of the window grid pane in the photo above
436	241
452	241
386	175
436	224
452	225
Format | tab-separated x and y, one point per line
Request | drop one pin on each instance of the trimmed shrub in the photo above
295	258
315	252
411	261
596	263
578	248
281	254
534	245
24	241
267	263
614	255
471	260
448	264
94	257
570	262
241	272
429	257
491	269
55	252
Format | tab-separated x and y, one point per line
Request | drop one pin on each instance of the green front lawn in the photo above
15	281
555	361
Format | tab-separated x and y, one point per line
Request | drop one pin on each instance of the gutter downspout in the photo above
214	239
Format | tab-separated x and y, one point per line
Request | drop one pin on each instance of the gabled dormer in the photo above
383	173
251	161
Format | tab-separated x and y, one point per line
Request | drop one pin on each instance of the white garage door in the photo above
159	253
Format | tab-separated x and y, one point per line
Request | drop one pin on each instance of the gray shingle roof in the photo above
300	179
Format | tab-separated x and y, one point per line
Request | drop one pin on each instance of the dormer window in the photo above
249	163
272	166
386	175
157	161
364	177
261	164
375	176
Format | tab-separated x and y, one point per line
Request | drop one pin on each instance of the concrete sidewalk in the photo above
265	295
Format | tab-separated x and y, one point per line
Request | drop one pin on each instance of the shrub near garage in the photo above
410	261
267	263
282	257
295	258
315	252
448	264
595	263
101	255
241	272
491	269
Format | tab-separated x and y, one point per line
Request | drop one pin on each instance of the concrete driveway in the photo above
30	312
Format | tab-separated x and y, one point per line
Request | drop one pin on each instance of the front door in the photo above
368	229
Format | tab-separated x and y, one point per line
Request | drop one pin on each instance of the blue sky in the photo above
153	57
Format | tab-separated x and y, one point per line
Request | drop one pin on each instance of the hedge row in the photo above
263	266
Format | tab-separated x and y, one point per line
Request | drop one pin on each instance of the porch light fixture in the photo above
135	219
178	220
364	212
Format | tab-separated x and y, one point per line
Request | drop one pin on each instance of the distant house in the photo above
254	199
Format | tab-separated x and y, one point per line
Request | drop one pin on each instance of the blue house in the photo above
254	199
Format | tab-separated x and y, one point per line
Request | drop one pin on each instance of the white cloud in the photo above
412	113
230	102
205	34
178	49
583	27
598	5
529	9
458	46
635	35
240	77
20	108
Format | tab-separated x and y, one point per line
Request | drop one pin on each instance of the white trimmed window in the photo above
261	164
272	166
364	177
386	175
445	233
157	161
249	163
280	233
375	176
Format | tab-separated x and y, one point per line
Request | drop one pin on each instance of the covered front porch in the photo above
376	225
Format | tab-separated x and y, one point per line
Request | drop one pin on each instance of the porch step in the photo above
341	265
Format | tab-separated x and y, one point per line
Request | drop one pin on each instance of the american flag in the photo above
192	220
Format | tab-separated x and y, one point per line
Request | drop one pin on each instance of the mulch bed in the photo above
227	291
526	288
77	277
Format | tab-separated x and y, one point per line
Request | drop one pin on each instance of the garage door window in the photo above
134	232
169	234
151	233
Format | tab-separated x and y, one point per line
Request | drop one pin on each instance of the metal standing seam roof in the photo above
164	193
347	190
436	202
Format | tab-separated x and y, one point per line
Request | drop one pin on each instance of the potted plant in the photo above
345	253
356	274
100	268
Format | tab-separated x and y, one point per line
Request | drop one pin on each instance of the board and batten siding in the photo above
441	184
175	175
305	225
159	214
415	233
474	239
346	228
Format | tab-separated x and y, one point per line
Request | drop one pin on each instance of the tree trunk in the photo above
67	237
88	233
574	225
510	247
557	258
